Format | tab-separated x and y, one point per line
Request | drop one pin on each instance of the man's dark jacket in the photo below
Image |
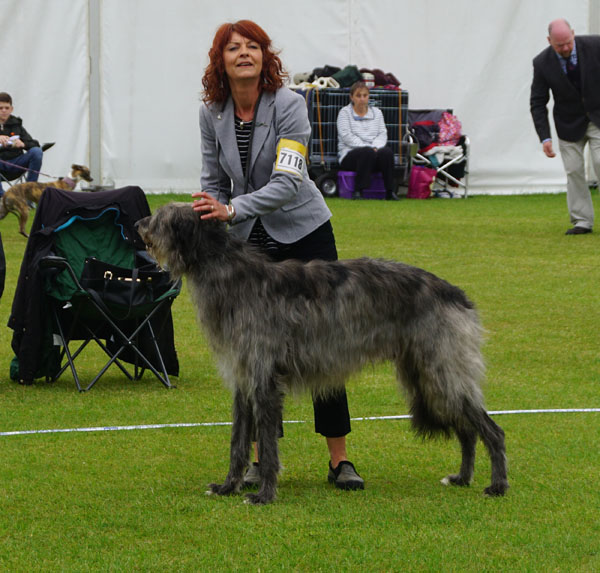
572	110
14	126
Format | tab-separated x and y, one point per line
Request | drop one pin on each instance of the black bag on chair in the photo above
124	287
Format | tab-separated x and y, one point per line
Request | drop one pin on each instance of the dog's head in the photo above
79	172
179	240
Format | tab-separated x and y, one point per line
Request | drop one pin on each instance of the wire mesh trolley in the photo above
323	108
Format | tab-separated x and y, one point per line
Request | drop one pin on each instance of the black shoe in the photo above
578	231
345	476
252	477
355	194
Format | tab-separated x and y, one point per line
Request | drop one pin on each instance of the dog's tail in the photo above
441	369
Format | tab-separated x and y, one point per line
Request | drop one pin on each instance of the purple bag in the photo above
419	183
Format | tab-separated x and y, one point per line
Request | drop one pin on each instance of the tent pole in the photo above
95	114
594	17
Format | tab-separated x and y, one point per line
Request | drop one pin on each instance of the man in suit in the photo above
569	68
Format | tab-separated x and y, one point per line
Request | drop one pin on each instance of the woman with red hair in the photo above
254	135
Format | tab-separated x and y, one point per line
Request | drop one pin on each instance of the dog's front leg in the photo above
268	411
239	449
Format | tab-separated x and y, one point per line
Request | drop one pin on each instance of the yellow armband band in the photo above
291	157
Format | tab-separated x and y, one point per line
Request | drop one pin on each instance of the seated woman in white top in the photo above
362	138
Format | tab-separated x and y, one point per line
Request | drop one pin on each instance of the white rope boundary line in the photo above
213	424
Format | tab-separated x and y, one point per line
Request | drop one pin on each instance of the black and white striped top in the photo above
243	130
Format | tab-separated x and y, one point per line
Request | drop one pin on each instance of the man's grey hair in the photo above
554	22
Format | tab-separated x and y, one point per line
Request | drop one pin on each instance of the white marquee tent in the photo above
116	83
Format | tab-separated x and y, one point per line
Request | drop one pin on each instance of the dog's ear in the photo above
196	239
178	224
184	225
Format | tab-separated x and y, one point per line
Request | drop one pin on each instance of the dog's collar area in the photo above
70	182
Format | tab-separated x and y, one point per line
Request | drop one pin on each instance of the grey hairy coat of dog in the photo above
283	327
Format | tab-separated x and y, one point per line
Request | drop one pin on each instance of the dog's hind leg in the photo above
492	436
268	410
23	214
240	447
440	404
468	441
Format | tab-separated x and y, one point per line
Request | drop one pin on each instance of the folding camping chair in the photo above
10	181
76	232
13	174
441	146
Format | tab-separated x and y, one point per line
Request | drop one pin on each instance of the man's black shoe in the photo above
578	231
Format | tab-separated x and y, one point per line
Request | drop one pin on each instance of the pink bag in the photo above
450	130
419	183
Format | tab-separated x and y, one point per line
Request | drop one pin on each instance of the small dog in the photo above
289	326
17	198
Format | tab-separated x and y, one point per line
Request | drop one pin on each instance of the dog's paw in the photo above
218	489
455	479
496	489
257	499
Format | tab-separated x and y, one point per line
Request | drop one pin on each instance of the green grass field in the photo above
134	500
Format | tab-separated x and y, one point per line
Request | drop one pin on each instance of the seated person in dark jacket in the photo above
19	152
362	139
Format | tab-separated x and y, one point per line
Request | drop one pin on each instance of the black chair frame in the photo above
105	319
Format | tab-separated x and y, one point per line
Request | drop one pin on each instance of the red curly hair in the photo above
215	82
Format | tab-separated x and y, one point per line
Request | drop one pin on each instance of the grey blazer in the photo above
572	110
287	201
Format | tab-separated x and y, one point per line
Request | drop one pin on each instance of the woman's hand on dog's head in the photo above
209	207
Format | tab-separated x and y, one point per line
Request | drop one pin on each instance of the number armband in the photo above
290	157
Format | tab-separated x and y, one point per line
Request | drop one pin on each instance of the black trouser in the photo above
332	418
364	161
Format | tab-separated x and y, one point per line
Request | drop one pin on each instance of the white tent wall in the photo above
473	57
44	68
152	66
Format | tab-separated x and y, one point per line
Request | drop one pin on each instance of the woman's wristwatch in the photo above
230	211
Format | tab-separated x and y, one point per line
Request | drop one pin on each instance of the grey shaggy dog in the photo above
290	326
